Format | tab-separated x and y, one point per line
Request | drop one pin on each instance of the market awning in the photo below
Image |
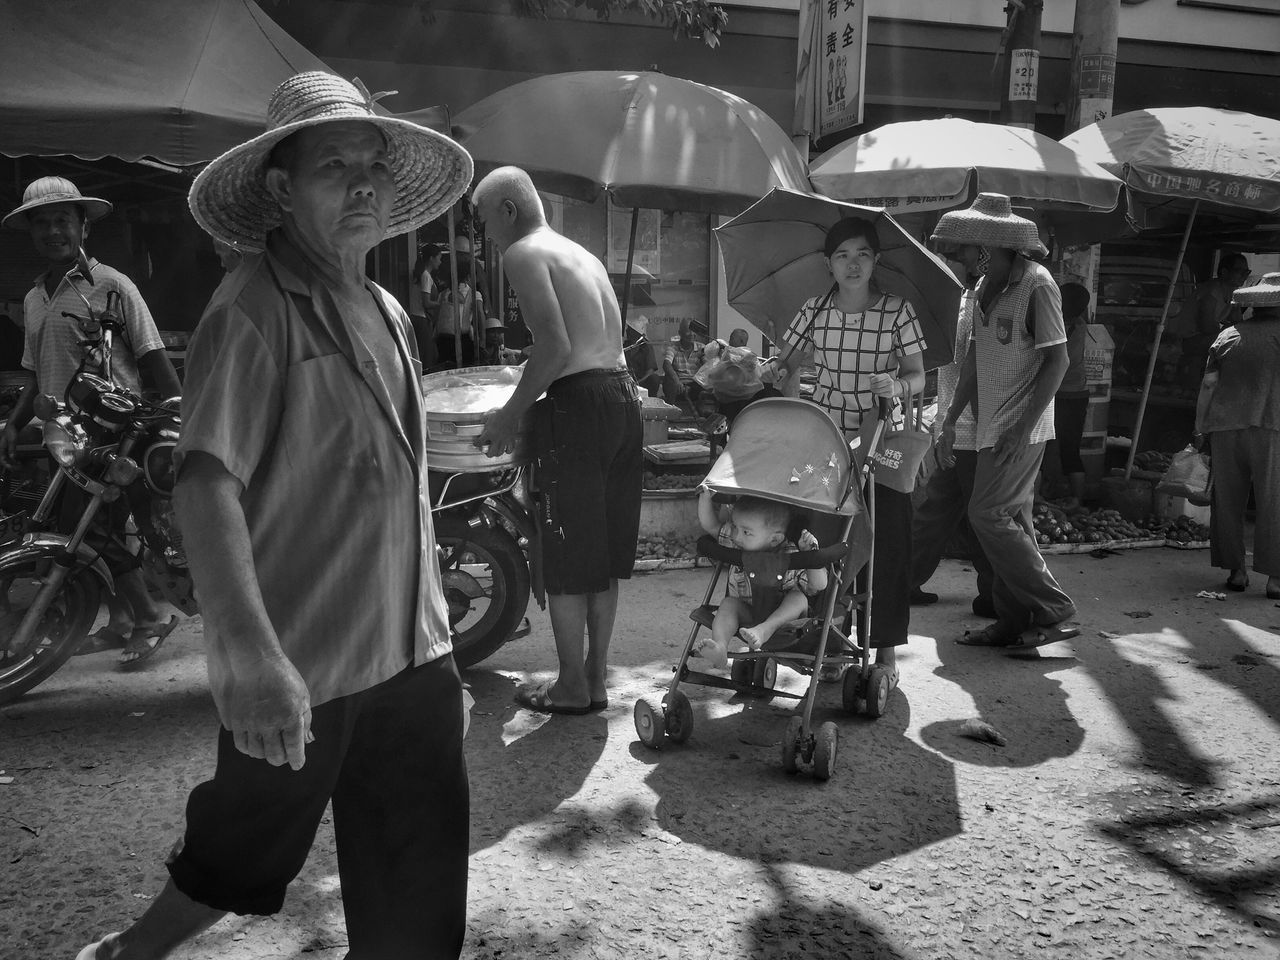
178	81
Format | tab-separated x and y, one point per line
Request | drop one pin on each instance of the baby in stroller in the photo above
758	527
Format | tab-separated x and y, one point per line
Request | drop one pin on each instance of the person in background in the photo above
424	298
1238	409
455	318
680	361
58	219
944	510
587	435
1014	366
738	337
868	347
11	343
1071	402
639	354
329	659
495	345
1210	311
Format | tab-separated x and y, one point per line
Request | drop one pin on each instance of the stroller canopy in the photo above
787	450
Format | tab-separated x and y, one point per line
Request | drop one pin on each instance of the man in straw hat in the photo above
1239	411
302	500
587	435
1017	360
57	218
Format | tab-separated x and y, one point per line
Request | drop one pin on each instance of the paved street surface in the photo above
1134	812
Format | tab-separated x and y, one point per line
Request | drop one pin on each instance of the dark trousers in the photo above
943	513
391	760
891	580
1243	459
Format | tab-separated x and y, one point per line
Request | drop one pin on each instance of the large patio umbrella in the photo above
1200	160
647	139
773	262
919	165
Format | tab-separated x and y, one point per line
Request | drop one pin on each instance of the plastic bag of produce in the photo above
1189	475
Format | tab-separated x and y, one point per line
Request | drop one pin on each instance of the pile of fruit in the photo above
1152	461
665	548
1179	529
1079	525
670	480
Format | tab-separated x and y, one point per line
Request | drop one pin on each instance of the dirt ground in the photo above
1134	812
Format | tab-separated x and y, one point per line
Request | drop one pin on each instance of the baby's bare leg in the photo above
731	612
793	606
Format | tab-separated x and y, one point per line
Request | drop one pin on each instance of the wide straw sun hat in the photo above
50	190
230	200
1264	293
990	222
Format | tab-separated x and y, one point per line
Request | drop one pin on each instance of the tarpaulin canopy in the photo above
179	81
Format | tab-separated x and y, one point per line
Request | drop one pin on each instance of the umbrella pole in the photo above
453	295
1155	346
631	255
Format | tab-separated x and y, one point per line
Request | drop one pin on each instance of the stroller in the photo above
789	450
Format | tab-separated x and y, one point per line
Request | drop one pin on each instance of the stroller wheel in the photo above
877	692
853	692
650	720
764	674
791	745
824	751
679	718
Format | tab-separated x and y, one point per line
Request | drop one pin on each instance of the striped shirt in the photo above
849	347
52	348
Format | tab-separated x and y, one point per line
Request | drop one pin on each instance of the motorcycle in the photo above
112	444
485	536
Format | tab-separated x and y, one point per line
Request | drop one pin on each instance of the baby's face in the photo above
750	532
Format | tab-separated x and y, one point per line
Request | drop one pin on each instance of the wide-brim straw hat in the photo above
50	190
1264	293
990	222
230	200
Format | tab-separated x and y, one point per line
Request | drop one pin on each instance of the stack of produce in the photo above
1152	461
654	480
1055	525
665	548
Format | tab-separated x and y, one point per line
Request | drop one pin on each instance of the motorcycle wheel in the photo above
65	623
486	585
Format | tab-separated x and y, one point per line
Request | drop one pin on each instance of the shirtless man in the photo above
587	435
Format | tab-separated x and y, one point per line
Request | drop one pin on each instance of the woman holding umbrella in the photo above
867	346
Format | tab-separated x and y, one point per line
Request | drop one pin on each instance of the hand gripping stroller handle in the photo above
712	549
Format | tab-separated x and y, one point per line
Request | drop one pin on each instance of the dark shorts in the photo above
588	439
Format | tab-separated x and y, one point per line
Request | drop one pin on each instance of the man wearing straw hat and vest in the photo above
57	218
302	498
1016	363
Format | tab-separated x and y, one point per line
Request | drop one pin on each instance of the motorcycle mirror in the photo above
82	262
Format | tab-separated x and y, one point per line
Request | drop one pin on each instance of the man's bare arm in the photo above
160	370
265	705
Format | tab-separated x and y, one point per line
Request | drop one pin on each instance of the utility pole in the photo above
1021	63
1093	62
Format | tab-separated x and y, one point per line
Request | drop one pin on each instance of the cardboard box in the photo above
1099	354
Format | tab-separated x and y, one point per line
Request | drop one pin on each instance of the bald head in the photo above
509	205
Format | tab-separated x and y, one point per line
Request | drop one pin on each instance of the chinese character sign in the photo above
844	42
829	66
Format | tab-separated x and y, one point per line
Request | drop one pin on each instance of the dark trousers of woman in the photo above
1069	414
390	759
446	351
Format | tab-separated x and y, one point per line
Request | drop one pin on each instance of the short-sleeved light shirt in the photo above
1246	358
283	393
850	347
51	345
1009	356
684	362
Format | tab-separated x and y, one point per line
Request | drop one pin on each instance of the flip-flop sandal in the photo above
1043	636
103	639
145	641
539	698
992	635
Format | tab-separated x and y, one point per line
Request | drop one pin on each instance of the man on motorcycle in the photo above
57	218
306	520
